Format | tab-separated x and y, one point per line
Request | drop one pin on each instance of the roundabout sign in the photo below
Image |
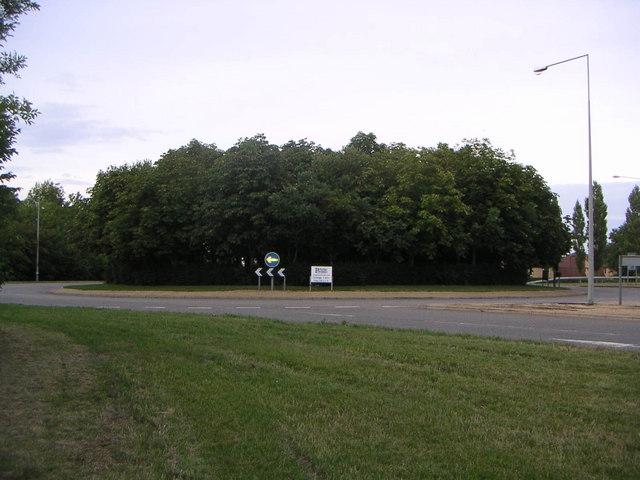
272	259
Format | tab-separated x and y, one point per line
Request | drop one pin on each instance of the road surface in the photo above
458	315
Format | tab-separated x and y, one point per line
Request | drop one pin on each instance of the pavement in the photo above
603	310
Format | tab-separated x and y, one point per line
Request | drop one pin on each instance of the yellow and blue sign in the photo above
272	259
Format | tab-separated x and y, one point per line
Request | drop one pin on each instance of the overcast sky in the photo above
118	81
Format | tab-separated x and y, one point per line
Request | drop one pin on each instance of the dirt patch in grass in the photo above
50	420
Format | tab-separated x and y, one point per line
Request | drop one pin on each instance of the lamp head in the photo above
538	71
624	176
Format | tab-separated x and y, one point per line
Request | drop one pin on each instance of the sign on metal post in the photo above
632	262
321	275
284	278
272	260
259	274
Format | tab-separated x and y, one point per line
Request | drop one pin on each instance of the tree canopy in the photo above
13	110
392	213
599	225
625	240
579	235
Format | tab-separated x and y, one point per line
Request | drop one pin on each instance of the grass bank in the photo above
131	395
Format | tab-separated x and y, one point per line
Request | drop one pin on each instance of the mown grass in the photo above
374	288
110	287
104	394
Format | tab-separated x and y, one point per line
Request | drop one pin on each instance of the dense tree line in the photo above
381	213
625	240
48	224
13	111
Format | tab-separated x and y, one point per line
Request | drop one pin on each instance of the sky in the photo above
120	81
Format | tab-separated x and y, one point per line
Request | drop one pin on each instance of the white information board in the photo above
630	260
321	275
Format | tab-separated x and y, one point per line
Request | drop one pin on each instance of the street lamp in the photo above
590	273
623	176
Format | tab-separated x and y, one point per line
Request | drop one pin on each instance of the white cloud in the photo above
122	81
60	127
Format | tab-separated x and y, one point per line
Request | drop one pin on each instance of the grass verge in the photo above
374	288
104	394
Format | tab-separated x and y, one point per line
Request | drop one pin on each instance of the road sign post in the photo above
259	274
270	273
629	261
272	260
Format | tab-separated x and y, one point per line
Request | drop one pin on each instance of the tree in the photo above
123	219
249	173
599	225
343	207
365	143
151	222
9	240
514	222
414	211
578	235
12	108
385	212
60	237
181	179
47	192
626	239
12	111
297	210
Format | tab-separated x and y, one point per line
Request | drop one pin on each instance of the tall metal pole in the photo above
591	252
38	242
592	271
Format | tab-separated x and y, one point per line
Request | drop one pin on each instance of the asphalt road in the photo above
414	313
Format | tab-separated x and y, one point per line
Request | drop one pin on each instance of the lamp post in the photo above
623	176
591	267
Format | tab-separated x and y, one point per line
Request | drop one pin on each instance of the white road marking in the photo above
199	308
597	343
347	306
248	308
108	307
524	327
297	308
155	308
